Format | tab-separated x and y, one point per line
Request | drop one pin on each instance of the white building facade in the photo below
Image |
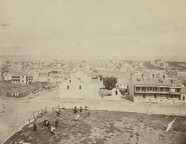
79	85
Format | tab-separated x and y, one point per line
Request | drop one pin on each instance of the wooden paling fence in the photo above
27	120
35	115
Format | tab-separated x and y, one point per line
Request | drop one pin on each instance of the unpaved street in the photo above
17	109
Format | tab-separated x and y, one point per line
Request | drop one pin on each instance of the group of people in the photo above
52	129
76	109
77	117
49	125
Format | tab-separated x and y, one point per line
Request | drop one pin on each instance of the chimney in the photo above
142	75
172	81
153	76
164	77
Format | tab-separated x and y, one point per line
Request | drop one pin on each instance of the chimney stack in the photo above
153	76
142	75
164	77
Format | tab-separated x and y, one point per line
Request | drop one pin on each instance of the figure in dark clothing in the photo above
80	109
47	123
58	113
75	110
56	123
34	127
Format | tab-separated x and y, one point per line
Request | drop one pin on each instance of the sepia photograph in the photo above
92	72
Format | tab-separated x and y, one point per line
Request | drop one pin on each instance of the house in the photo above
172	73
155	90
7	76
18	78
21	78
41	76
79	85
113	94
55	77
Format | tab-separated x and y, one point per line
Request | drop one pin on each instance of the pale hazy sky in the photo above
93	27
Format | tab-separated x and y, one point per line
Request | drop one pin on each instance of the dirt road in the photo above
17	109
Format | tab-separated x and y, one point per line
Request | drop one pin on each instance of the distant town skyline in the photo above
93	28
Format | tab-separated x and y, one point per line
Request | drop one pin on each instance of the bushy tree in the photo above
109	82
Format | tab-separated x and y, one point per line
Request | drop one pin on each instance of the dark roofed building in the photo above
150	89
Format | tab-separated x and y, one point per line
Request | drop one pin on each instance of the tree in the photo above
109	82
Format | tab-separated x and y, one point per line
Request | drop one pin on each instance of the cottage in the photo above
113	94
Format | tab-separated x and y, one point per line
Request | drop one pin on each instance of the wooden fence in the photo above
27	120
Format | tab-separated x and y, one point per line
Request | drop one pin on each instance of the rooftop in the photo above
156	82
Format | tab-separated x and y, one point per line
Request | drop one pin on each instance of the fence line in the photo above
27	120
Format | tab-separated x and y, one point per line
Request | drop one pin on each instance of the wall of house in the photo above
158	99
71	89
23	79
7	77
183	97
113	92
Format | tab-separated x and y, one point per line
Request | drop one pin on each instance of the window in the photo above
116	92
154	89
143	89
161	89
137	88
143	95
22	81
178	90
68	87
69	81
79	87
155	96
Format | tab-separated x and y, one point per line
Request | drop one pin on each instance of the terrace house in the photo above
153	89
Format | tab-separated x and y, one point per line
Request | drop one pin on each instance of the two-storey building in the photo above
153	89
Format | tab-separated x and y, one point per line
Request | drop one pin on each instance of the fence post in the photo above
147	112
35	117
46	108
28	119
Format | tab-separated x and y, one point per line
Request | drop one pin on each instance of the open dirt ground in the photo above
17	109
105	127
